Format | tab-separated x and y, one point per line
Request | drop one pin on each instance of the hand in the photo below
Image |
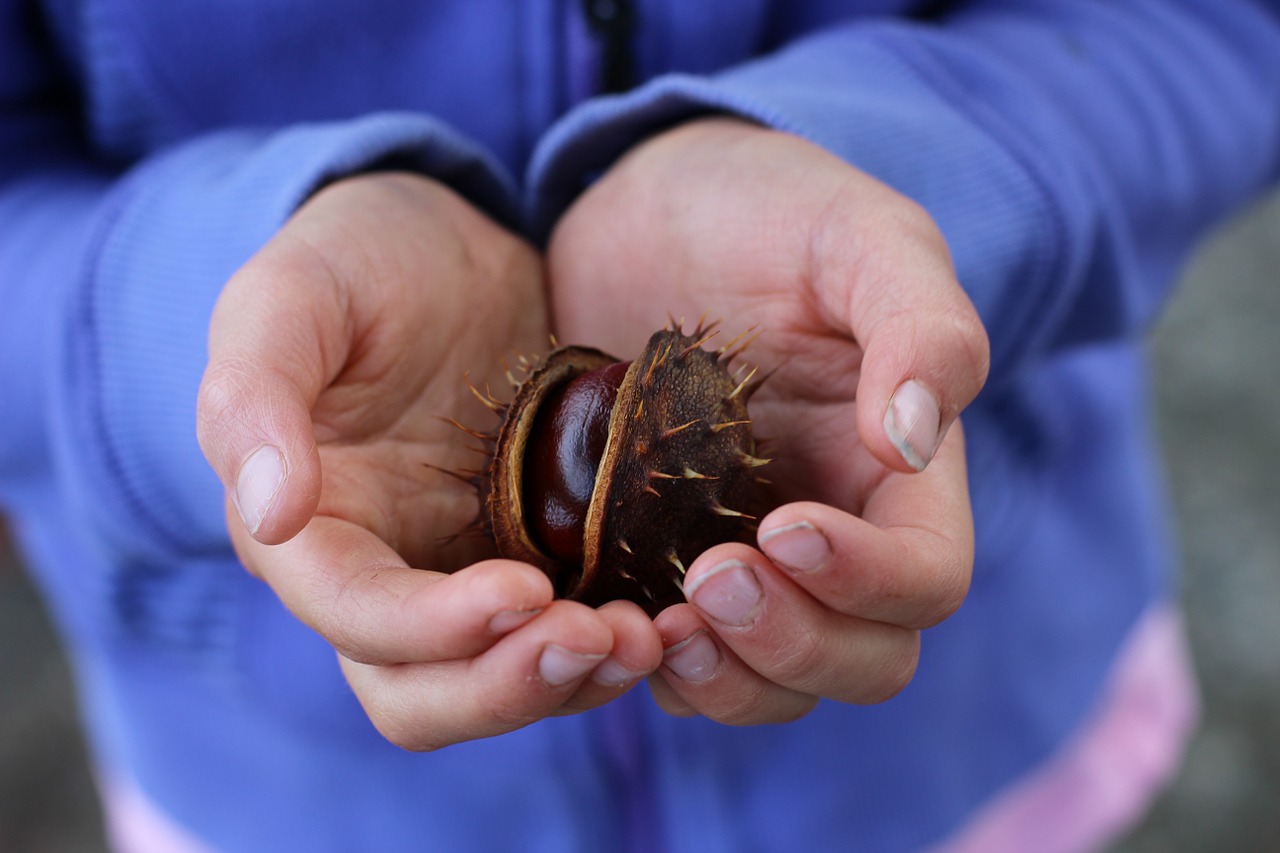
334	354
874	350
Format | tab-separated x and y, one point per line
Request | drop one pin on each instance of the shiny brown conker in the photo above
609	475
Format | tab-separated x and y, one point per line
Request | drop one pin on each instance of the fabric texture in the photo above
1072	153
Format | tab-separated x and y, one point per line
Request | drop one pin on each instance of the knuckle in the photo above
896	670
760	704
400	730
511	713
326	605
522	583
951	587
910	217
743	707
358	614
225	402
220	397
343	636
802	661
973	347
392	716
505	704
952	599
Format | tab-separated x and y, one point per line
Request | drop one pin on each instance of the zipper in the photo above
613	22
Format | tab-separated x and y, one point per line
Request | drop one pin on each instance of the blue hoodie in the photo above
1072	154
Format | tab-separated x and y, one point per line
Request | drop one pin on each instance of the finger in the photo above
907	561
275	341
356	592
637	652
925	351
668	699
706	677
527	676
792	640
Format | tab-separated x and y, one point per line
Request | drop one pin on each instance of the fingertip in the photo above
689	654
559	666
717	559
637	647
668	699
572	640
797	544
258	482
276	494
919	371
256	432
508	589
903	421
913	423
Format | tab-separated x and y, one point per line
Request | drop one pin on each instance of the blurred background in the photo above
1217	351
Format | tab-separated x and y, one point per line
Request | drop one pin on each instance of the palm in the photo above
404	292
385	440
620	267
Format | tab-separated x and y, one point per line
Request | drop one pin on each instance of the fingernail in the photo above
257	485
729	593
693	659
912	423
800	547
509	620
613	674
559	666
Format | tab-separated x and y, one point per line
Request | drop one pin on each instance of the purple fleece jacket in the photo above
1072	153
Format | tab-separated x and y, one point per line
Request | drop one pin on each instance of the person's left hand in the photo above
873	350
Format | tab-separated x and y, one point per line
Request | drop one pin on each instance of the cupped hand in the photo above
873	350
335	357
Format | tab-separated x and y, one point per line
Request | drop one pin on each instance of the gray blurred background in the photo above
1218	354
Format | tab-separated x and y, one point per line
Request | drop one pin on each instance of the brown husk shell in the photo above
676	472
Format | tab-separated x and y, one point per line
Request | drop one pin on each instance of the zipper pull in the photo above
613	22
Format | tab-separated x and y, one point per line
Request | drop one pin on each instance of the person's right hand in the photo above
334	356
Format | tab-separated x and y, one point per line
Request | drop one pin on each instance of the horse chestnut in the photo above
608	474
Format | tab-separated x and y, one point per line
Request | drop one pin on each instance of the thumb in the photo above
919	371
925	350
267	366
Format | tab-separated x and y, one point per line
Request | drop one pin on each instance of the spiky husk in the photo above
676	474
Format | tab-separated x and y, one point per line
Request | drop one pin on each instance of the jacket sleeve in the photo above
1071	152
108	274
